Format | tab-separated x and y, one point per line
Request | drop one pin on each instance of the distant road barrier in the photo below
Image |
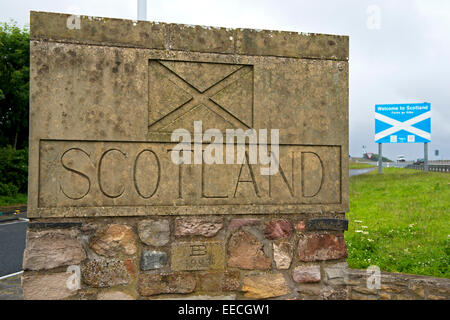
431	167
447	162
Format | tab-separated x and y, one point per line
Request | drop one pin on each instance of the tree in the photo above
14	85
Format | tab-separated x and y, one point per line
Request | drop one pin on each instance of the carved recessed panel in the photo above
97	176
218	94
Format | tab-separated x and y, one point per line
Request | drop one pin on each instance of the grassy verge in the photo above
400	221
361	165
9	201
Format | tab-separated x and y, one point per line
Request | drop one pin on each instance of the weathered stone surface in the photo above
204	255
364	290
391	288
245	251
384	296
46	287
153	260
265	286
306	274
154	232
219	281
53	225
243	222
359	296
315	247
418	290
335	293
114	295
282	255
105	273
151	35
430	297
49	249
327	224
173	82
113	240
207	227
131	269
278	229
175	282
336	271
312	289
300	226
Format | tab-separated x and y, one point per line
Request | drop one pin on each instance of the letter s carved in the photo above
75	172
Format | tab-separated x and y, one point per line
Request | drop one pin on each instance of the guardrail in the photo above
447	162
431	167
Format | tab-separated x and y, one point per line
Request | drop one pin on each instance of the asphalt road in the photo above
12	245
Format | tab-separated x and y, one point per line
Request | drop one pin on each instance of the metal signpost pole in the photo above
142	10
425	156
380	158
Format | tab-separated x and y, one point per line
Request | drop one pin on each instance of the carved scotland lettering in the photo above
141	174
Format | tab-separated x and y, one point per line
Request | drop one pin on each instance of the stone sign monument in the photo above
113	215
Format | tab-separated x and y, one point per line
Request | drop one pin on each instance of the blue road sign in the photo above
403	123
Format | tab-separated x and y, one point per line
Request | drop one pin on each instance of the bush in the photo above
13	171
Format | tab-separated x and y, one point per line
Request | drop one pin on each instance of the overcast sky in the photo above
403	57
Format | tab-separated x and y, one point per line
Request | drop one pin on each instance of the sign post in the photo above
380	158
142	10
403	123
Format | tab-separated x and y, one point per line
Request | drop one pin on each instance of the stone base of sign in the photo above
247	258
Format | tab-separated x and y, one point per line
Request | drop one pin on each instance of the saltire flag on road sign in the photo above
403	123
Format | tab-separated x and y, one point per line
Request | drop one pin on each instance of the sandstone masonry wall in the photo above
397	286
132	258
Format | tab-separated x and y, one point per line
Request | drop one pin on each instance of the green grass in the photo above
361	165
400	221
9	201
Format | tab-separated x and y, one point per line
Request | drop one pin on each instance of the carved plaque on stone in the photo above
189	256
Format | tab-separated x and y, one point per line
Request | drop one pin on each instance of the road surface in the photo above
12	245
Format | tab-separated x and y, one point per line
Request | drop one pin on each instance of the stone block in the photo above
154	232
206	227
317	224
243	222
265	286
106	273
219	281
245	251
336	271
114	240
175	282
46	287
306	274
173	75
282	255
151	260
316	247
48	249
278	229
204	255
114	295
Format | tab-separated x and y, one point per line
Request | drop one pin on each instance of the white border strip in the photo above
11	275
